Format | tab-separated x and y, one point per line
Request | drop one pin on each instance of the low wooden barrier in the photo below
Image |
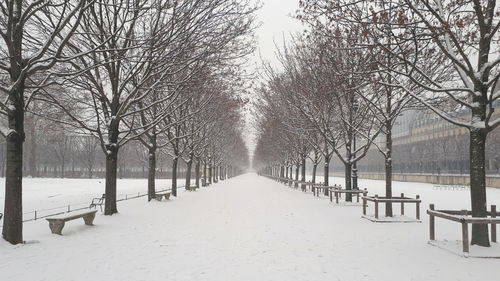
309	186
339	191
463	218
319	188
303	185
402	200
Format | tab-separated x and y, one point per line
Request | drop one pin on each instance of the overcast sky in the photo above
276	23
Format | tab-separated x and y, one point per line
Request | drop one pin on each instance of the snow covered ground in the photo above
245	228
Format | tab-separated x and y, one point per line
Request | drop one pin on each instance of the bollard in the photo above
402	205
418	207
431	224
493	224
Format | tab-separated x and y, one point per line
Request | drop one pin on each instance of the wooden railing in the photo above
464	217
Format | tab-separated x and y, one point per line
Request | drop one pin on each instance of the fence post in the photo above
432	229
376	206
493	224
465	233
35	214
68	208
418	207
402	205
364	206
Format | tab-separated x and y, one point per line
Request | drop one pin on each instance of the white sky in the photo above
276	21
275	24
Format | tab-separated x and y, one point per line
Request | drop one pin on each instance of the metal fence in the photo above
44	213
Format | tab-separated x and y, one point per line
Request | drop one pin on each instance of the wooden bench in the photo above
98	202
160	195
191	188
56	223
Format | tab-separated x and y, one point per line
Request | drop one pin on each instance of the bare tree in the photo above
34	36
457	36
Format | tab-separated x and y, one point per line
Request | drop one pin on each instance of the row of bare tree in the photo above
162	73
361	64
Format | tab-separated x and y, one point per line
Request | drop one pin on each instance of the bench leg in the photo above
89	219
56	227
167	196
158	197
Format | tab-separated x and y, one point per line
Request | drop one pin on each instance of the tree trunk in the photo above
174	176
388	170
13	209
197	167
111	173
152	173
205	174
478	185
303	172
63	168
348	174
315	166
210	168
189	165
215	172
326	172
297	175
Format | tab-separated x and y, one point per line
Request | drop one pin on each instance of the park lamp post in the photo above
355	107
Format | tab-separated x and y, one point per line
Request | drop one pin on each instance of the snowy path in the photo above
246	228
